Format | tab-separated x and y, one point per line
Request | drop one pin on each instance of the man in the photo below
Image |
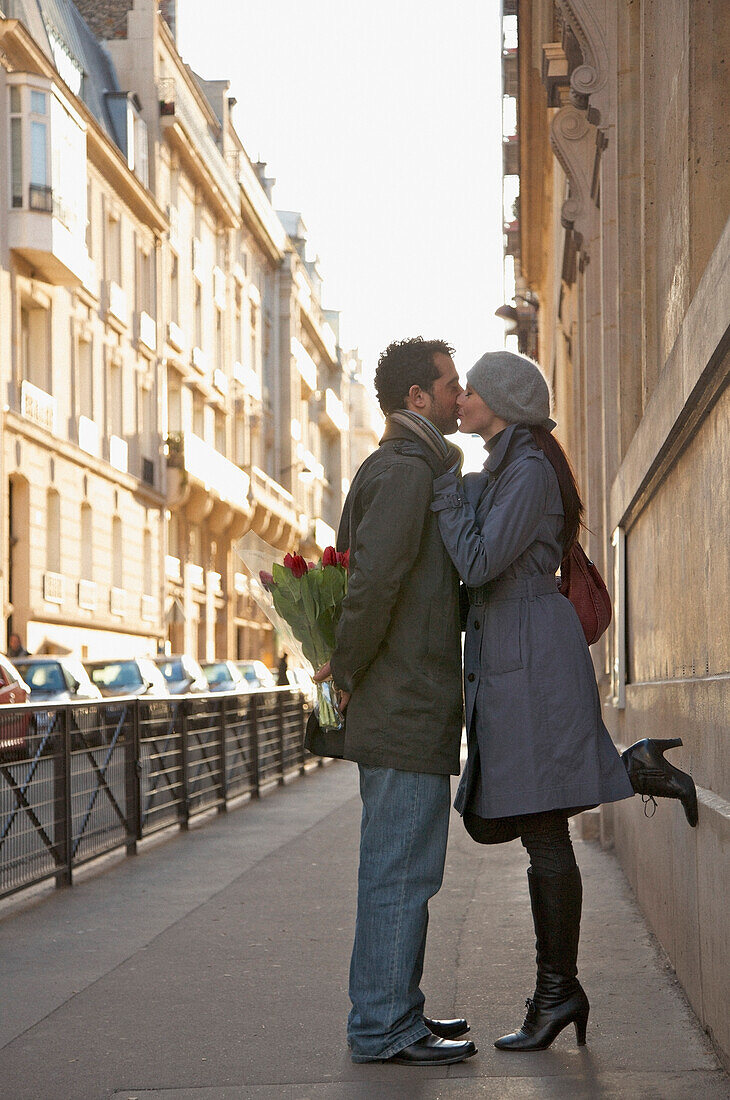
398	664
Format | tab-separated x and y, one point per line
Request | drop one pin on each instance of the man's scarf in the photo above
451	455
424	429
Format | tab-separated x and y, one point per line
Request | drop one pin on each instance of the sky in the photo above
382	124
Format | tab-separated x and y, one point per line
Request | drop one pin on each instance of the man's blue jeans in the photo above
405	823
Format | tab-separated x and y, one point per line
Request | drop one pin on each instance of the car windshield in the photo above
249	673
117	674
217	673
43	677
172	671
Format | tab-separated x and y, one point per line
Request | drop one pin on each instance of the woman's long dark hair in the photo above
572	504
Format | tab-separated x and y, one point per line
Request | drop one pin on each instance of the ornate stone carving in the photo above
589	82
573	141
555	74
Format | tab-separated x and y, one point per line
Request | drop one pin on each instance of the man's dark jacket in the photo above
398	640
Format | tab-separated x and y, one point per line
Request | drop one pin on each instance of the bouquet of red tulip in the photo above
308	596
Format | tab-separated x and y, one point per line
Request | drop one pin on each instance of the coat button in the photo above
471	677
477	624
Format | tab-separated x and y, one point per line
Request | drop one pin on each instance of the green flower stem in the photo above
328	715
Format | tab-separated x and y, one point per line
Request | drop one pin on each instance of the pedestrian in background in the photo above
282	680
16	647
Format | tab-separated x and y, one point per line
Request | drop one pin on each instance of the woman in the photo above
538	749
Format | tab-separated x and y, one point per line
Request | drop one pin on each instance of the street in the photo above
214	965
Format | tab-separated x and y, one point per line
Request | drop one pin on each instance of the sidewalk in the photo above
214	967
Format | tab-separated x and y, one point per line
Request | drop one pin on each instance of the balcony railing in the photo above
196	575
177	102
38	406
172	568
267	493
213	472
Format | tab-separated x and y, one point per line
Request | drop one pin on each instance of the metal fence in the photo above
77	781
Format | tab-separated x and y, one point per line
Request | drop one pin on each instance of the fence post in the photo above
302	731
131	783
184	815
255	777
282	738
223	724
62	815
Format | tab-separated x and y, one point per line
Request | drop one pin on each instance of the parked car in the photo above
127	676
13	727
256	675
223	676
55	679
300	679
182	674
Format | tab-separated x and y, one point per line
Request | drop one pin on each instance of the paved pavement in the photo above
213	966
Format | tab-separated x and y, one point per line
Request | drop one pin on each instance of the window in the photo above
40	195
145	290
198	414
16	147
114	248
147	563
34	358
89	208
116	399
254	337
198	316
237	327
174	404
173	536
174	289
87	543
220	432
117	553
53	532
219	339
86	379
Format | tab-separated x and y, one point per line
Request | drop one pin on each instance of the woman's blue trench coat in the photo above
533	714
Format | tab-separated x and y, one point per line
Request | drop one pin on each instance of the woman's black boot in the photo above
652	775
559	999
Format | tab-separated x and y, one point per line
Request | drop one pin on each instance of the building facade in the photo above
172	380
621	248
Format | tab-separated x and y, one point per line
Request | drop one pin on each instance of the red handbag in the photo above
583	585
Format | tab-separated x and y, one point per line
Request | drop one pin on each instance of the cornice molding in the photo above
589	82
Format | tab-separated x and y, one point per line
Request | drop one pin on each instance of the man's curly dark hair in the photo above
406	363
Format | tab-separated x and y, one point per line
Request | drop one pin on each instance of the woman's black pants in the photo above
545	836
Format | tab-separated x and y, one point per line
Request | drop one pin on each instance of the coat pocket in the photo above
502	647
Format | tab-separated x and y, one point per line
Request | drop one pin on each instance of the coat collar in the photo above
511	441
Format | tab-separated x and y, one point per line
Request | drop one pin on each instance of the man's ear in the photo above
416	398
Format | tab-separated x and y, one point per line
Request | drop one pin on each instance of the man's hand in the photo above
325	673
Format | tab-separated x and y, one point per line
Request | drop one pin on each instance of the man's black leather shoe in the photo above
447	1029
432	1051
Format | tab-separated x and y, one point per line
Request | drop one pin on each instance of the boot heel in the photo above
667	743
581	1023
